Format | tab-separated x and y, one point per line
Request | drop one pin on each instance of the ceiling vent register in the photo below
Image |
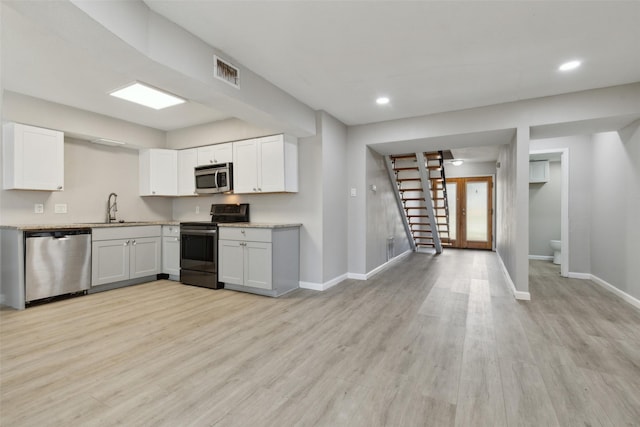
226	71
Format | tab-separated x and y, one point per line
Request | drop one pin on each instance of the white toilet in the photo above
556	246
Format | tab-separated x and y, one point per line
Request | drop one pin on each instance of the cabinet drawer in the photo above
246	234
171	231
111	233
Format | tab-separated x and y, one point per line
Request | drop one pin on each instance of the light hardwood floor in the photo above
433	341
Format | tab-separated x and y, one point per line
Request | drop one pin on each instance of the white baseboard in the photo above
608	286
524	296
541	257
582	276
323	286
378	269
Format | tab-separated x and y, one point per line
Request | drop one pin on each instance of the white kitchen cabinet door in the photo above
33	158
187	161
109	261
245	166
158	172
271	161
145	257
214	154
231	262
266	165
257	265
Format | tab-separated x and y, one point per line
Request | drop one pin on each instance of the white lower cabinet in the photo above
259	260
171	251
125	253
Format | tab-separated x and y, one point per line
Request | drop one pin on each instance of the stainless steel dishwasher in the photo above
56	262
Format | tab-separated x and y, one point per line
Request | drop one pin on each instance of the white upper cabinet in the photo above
33	158
187	161
539	171
213	154
158	172
266	165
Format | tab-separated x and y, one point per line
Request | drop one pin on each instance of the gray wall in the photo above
78	123
615	208
214	133
580	181
544	212
334	197
319	204
512	238
91	172
383	215
470	169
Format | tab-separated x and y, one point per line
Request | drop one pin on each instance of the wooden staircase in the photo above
421	193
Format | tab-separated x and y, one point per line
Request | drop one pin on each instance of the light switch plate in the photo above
38	208
60	208
353	192
197	209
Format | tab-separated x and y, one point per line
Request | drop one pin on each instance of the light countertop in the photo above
259	225
86	225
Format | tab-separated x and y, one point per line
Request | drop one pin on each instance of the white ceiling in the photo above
426	56
338	56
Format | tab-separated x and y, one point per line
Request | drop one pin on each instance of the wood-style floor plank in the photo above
433	341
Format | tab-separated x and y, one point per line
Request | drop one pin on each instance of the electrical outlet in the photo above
38	208
197	209
60	208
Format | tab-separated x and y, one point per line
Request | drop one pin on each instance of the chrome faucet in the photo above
112	206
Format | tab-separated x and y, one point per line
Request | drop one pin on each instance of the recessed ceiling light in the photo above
147	96
382	100
457	162
568	66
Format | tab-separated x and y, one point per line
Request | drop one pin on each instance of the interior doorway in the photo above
470	212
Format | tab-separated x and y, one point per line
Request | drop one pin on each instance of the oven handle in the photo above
198	232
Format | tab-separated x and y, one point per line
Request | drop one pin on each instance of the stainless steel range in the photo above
199	245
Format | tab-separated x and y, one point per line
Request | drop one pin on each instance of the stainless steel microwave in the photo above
214	178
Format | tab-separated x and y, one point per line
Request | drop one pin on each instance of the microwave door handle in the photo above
215	178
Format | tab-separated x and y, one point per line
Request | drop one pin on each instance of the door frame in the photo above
564	205
492	205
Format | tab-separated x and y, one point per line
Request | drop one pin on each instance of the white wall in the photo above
580	181
615	209
544	212
91	172
386	236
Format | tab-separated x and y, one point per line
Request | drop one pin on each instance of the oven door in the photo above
199	249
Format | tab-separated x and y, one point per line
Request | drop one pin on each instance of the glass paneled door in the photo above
470	212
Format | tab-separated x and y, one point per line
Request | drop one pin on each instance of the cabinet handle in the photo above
126	243
242	231
210	161
177	239
255	189
59	187
259	189
134	243
153	192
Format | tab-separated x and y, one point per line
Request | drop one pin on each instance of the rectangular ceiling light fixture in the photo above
148	96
